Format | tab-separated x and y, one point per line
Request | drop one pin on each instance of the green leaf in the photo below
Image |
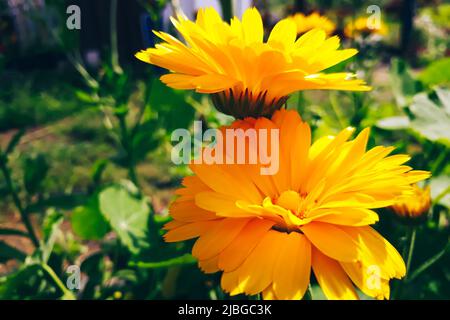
85	97
88	222
403	85
35	171
14	141
32	282
128	216
431	120
145	140
185	259
8	252
163	101
394	123
439	190
51	221
12	232
23	284
436	73
51	231
98	169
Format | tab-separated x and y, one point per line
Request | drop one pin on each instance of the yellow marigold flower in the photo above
313	21
362	26
247	75
266	232
413	205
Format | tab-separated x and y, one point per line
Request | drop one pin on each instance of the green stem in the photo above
411	249
439	162
441	196
113	33
143	108
17	202
334	107
406	254
125	141
67	293
427	264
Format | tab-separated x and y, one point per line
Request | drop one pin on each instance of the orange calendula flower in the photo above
313	21
413	205
267	232
246	75
364	27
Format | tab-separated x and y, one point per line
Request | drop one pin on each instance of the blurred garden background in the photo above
86	176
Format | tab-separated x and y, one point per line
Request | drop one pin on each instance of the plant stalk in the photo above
410	250
23	214
67	293
125	140
113	33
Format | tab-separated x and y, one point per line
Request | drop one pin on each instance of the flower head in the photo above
413	206
266	232
313	21
246	75
363	27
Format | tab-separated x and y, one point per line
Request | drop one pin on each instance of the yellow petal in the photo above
239	249
256	273
332	241
332	279
293	267
284	33
209	265
189	230
252	26
214	241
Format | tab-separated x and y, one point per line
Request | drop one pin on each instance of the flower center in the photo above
293	208
294	202
241	103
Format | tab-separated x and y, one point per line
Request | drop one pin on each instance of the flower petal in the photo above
332	279
293	267
332	241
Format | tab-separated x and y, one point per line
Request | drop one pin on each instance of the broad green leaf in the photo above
444	97
439	188
128	216
394	123
437	73
182	260
88	222
431	120
402	83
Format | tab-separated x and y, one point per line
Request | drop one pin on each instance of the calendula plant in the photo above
343	216
266	233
